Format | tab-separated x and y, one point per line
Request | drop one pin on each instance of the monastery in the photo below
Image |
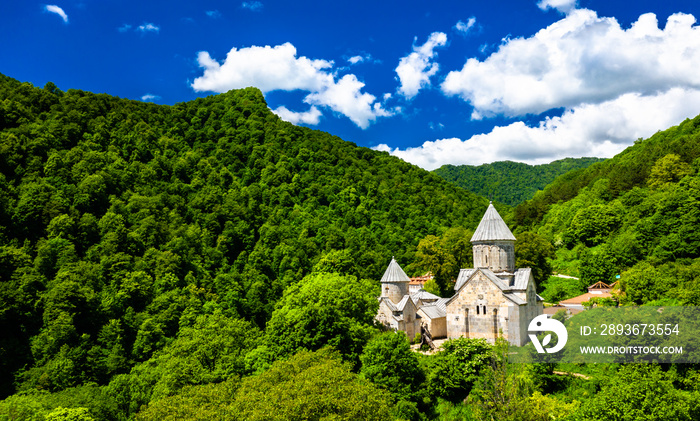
492	299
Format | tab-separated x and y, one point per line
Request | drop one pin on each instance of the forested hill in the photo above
121	221
510	182
635	215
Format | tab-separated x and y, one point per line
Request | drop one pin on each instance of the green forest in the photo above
209	261
510	182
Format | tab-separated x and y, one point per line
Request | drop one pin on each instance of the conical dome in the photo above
394	273
492	228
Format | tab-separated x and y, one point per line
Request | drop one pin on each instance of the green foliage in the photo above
194	403
557	289
510	182
120	221
69	414
444	256
389	363
535	252
212	350
455	368
324	309
668	170
310	386
641	392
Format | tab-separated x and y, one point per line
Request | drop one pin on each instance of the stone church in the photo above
490	300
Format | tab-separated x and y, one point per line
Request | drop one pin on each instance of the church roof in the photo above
394	273
464	275
433	312
402	304
492	227
423	295
522	276
442	304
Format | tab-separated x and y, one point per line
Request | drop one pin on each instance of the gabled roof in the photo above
388	302
394	273
466	274
433	312
442	304
423	295
492	227
522	276
514	298
402	304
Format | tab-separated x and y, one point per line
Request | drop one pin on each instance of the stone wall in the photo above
479	311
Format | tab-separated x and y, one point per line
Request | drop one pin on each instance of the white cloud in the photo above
254	6
564	6
580	59
214	14
465	27
148	27
279	69
311	117
356	59
52	8
601	130
345	98
415	70
124	28
150	97
267	68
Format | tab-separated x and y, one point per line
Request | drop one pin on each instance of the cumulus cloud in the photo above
148	27
415	70
279	68
150	97
52	8
601	130
465	27
564	6
580	59
344	97
254	6
214	14
311	117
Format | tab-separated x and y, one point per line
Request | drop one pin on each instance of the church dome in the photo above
492	228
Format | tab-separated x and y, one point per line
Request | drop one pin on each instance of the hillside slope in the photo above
121	221
510	182
635	215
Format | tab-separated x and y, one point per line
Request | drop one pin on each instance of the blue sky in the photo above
433	82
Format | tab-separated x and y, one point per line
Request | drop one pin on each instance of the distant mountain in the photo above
510	182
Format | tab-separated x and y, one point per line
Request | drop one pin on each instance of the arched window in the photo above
484	308
477	309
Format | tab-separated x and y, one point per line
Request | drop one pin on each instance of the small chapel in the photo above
492	299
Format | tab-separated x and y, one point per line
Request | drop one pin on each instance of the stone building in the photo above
396	308
492	299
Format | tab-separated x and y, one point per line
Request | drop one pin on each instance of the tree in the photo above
310	386
641	392
455	368
534	251
324	309
69	414
389	362
444	256
667	170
